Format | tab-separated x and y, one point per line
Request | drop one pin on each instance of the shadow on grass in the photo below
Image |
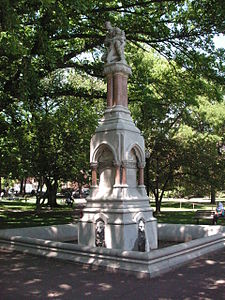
176	217
32	220
16	214
183	217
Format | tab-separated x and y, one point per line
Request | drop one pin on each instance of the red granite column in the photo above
117	175
117	75
94	174
117	89
124	174
141	174
109	90
124	91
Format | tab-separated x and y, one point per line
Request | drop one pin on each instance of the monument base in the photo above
44	241
119	215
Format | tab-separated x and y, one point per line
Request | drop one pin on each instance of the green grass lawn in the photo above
19	213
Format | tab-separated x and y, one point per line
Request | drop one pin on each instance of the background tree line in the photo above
52	89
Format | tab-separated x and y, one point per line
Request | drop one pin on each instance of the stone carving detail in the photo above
100	233
141	236
115	42
105	164
131	165
141	165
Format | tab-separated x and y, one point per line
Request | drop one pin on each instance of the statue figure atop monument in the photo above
115	41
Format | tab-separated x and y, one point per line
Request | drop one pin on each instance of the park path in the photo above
24	276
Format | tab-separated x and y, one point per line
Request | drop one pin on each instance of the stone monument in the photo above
118	214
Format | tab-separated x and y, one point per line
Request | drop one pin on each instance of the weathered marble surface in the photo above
117	155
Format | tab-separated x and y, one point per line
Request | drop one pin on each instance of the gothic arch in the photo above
99	150
138	152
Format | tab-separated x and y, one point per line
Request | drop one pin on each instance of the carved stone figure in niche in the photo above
115	41
100	233
141	236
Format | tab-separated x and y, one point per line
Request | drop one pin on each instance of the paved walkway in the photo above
24	276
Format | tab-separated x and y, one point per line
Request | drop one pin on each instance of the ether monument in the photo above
118	214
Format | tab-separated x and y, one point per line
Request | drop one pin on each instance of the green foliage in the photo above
39	37
47	117
182	119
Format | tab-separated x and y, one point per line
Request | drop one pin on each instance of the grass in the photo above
20	213
183	213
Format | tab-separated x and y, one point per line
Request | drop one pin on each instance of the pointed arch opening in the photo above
135	169
104	164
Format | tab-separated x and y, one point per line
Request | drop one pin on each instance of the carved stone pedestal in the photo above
118	197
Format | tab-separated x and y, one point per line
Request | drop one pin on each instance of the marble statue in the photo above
115	41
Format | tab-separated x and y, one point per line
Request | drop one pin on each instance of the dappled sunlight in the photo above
16	269
72	274
32	268
203	294
64	280
19	265
210	262
54	229
11	289
35	292
213	285
104	286
52	254
201	263
221	281
65	286
54	294
88	284
32	281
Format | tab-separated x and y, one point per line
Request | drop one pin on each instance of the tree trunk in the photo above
21	186
158	198
24	186
213	195
0	184
39	194
157	201
158	206
147	184
51	192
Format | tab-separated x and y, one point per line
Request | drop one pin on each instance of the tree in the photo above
167	97
56	138
40	38
204	165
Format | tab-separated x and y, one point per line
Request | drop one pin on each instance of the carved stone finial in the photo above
115	41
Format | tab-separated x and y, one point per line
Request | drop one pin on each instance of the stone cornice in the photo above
117	67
